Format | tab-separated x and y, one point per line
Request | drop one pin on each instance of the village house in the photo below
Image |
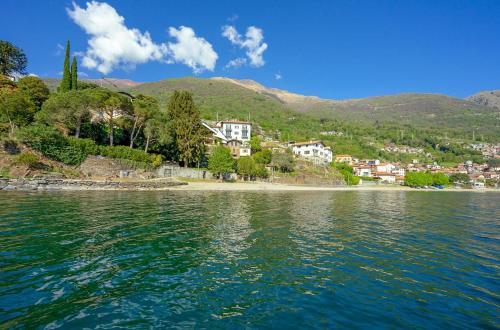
234	134
343	159
238	149
314	151
385	167
385	177
363	171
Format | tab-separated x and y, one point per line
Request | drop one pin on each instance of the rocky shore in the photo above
47	184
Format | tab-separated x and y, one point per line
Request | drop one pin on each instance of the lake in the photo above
232	260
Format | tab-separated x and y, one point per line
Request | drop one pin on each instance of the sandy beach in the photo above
265	186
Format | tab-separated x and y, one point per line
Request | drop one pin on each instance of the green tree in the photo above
12	59
188	132
16	109
246	167
459	178
418	179
255	144
284	162
74	74
263	157
35	89
220	162
144	108
112	106
67	111
156	130
66	78
440	179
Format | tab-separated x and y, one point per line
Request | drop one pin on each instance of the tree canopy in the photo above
187	130
220	162
12	59
35	89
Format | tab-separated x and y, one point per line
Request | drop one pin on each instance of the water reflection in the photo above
231	260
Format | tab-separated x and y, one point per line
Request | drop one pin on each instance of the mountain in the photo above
293	114
239	98
486	98
111	83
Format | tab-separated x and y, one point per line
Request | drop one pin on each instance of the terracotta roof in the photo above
383	174
306	143
236	122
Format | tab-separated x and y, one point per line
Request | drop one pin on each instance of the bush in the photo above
261	171
459	178
220	162
418	179
52	144
440	179
27	158
73	151
87	146
130	154
263	157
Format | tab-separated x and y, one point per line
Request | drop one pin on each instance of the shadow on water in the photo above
259	260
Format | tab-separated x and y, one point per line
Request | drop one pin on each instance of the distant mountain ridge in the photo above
486	98
220	96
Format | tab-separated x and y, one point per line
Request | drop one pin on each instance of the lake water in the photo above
233	260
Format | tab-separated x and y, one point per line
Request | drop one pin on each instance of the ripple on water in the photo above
260	260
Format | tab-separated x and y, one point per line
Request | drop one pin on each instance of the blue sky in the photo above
332	49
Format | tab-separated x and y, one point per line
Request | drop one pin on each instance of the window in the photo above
228	131
244	132
307	152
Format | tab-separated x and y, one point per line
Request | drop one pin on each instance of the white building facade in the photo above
314	151
236	130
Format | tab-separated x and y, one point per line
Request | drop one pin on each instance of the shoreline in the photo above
44	184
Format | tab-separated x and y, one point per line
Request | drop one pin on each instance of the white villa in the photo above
234	134
314	151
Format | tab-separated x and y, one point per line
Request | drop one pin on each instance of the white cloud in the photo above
113	45
233	18
59	50
191	50
236	63
278	76
253	43
82	74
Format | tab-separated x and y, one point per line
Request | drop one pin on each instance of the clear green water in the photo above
249	260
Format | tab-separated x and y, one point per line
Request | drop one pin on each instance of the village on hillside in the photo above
236	135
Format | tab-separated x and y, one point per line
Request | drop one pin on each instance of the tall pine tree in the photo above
66	79
187	130
74	75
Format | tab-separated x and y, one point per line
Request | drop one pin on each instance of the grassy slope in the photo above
419	110
230	101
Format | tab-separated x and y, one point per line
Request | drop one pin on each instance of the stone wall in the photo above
45	184
172	171
98	166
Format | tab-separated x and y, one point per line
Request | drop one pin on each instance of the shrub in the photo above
459	177
87	146
52	144
246	167
284	162
440	179
73	151
27	158
220	162
263	157
418	179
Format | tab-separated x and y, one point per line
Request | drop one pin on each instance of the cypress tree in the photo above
66	79
74	75
188	132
